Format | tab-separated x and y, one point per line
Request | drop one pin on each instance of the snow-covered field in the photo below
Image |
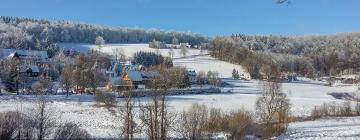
325	129
304	95
129	49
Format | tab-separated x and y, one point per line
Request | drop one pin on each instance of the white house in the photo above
246	76
187	45
28	55
192	76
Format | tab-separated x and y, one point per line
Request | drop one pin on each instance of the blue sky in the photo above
207	17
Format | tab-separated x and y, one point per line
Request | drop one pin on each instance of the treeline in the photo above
38	122
310	56
154	118
26	33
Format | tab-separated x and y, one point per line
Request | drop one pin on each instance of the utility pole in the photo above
17	79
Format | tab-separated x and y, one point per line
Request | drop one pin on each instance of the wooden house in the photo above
131	79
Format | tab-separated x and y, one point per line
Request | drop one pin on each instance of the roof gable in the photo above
133	75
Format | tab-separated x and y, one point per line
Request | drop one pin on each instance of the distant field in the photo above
129	49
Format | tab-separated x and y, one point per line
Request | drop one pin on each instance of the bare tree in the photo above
129	127
8	124
357	100
175	40
171	53
10	74
201	78
272	108
155	117
192	123
44	86
183	51
93	78
213	78
66	78
44	119
119	54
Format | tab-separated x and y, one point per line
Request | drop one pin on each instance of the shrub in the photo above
8	124
192	123
108	99
332	109
239	124
273	109
147	59
71	131
14	123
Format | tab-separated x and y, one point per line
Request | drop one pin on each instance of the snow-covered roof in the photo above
116	81
134	75
34	69
150	74
24	54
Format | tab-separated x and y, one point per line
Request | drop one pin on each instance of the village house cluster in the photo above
120	75
30	61
125	76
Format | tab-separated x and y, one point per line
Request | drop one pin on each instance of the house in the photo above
289	77
30	71
245	76
114	84
192	76
132	79
31	61
187	45
173	46
25	55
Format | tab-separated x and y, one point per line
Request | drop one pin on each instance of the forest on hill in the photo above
311	56
29	33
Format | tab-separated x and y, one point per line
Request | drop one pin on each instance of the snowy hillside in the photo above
129	49
304	95
194	60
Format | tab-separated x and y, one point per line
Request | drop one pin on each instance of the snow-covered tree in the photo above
99	41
